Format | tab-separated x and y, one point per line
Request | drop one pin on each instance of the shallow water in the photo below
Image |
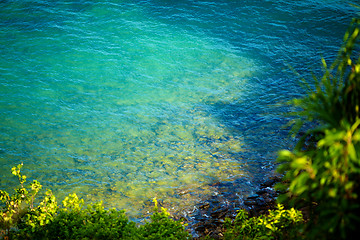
122	101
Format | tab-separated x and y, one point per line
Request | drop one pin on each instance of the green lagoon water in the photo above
123	101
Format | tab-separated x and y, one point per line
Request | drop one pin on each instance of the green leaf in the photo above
352	152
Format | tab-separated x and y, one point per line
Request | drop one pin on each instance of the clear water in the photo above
122	101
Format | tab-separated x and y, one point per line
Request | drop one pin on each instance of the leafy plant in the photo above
93	222
17	205
278	224
334	98
20	219
163	227
328	173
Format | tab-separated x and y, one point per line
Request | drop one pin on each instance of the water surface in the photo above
122	101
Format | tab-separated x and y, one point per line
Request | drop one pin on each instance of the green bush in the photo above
162	227
278	224
15	207
334	98
327	175
20	219
74	222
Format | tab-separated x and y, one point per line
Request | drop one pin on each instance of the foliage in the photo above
278	224
334	98
17	205
74	222
20	219
328	174
162	227
37	218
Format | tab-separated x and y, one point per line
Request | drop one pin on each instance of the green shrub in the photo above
20	219
278	224
15	207
73	221
162	227
328	174
334	98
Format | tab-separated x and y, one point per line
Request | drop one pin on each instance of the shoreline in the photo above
208	216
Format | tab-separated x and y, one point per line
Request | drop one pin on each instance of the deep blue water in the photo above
123	101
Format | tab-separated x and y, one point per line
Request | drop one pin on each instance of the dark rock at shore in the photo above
208	217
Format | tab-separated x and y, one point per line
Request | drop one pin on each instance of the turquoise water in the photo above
122	101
